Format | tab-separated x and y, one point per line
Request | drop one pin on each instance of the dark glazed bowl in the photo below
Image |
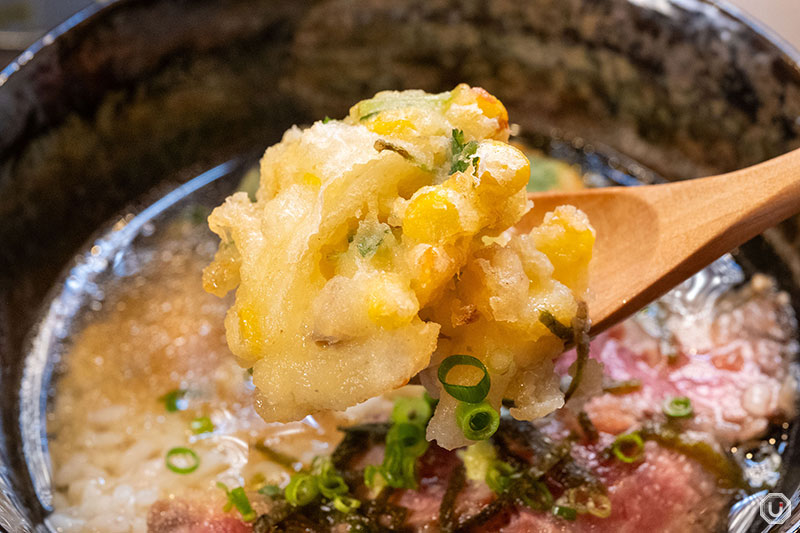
137	93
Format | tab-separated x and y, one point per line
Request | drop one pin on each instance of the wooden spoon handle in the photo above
651	238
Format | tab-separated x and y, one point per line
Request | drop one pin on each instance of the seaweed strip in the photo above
486	514
448	521
580	328
589	431
556	328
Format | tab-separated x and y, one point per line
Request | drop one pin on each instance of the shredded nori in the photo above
285	460
589	431
448	521
580	329
556	328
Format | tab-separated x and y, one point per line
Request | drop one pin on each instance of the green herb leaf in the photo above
462	154
326	119
370	243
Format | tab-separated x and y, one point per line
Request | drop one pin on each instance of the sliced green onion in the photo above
678	407
373	478
398	469
301	490
599	505
556	328
239	500
332	485
201	424
628	448
174	400
465	393
567	513
498	476
346	504
187	460
536	495
409	438
478	421
411	410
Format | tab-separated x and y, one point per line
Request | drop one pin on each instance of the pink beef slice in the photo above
738	370
665	493
179	516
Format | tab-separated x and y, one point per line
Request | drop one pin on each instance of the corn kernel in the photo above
390	126
566	238
432	217
391	305
250	327
312	180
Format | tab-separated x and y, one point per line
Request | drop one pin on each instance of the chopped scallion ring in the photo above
567	513
465	393
301	490
408	438
346	504
498	476
239	500
536	495
678	407
478	421
332	485
411	410
201	424
182	460
628	448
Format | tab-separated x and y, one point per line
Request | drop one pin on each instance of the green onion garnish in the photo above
478	421
567	513
599	505
301	490
238	498
628	448
332	485
465	393
498	476
187	460
408	438
678	407
201	424
411	410
346	504
535	494
174	400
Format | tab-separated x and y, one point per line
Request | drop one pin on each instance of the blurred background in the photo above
24	21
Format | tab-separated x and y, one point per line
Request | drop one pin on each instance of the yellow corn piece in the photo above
432	216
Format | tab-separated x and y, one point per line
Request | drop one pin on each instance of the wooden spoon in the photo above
652	237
